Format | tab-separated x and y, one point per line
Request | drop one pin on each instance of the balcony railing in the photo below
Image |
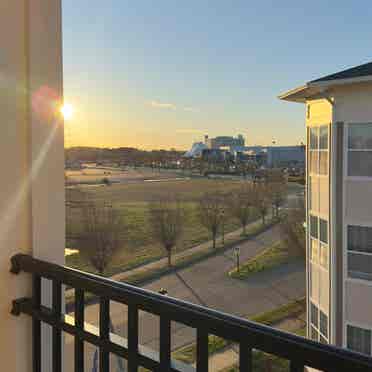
250	336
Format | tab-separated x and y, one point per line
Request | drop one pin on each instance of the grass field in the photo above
138	244
290	310
271	257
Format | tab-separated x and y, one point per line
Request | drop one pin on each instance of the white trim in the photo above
364	282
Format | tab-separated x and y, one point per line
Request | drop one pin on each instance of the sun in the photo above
67	111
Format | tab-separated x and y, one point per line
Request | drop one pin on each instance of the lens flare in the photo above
67	111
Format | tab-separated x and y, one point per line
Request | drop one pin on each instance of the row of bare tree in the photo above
104	226
168	214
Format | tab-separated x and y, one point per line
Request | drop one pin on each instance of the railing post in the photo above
57	334
165	343
202	353
132	338
104	333
79	323
245	357
36	324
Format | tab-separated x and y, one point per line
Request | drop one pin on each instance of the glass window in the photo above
360	136
314	334
314	164
323	162
359	265
314	250
323	230
359	339
314	226
323	320
314	139
359	238
323	137
324	255
360	163
314	315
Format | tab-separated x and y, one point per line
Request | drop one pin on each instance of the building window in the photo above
319	324
359	339
323	321
360	150
359	252
323	231
314	226
318	150
319	249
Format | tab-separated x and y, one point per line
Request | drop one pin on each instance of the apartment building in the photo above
339	206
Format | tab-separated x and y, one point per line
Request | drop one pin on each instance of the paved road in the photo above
206	283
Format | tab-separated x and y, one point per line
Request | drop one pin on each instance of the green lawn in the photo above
271	257
138	244
292	309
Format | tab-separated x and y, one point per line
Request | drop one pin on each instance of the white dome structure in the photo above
196	150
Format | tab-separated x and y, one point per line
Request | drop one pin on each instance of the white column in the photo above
32	158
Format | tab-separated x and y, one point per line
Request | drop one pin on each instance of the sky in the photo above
163	74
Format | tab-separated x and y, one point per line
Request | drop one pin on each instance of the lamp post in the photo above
237	255
223	228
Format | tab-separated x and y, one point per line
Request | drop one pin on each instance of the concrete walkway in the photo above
206	283
163	262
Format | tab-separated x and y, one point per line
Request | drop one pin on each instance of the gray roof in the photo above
354	72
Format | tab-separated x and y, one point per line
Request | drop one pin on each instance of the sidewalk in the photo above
181	256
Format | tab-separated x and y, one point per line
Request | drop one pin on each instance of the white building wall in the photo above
31	143
353	104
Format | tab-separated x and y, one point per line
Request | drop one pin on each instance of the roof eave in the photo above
316	88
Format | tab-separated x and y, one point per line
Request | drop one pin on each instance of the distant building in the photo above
273	156
196	150
224	141
216	155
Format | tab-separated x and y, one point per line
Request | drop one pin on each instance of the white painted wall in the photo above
353	104
31	143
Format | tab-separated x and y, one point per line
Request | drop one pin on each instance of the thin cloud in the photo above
163	105
171	106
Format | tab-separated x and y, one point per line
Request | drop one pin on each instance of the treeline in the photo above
121	155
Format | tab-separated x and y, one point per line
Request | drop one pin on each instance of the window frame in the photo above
318	150
361	326
316	328
347	150
355	252
318	258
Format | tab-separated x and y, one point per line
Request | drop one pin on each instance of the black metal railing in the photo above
250	336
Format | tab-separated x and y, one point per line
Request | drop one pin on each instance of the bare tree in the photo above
293	230
167	217
278	195
102	227
240	205
261	200
211	213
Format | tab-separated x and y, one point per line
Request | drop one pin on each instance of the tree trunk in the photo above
169	258
214	240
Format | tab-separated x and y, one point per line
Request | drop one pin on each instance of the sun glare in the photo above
67	111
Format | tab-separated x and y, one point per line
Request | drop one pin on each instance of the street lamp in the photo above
237	255
223	228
